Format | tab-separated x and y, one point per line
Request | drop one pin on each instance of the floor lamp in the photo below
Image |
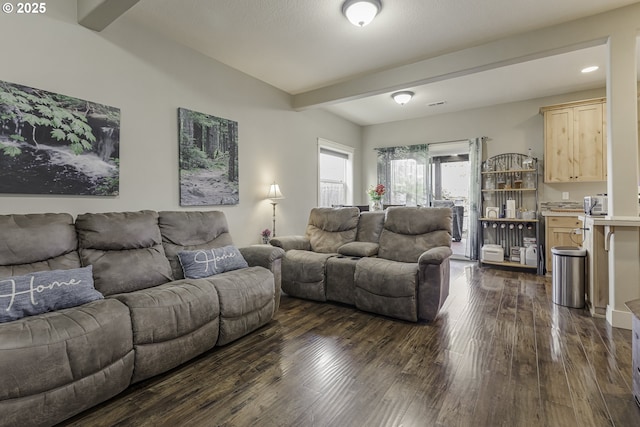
275	195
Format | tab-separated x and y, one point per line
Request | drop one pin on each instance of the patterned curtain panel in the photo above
404	171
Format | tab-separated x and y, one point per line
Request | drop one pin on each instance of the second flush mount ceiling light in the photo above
402	97
361	12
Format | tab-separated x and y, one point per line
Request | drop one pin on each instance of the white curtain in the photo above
475	194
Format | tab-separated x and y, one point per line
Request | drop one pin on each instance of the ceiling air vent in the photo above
436	104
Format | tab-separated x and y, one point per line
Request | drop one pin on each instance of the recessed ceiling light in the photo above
590	69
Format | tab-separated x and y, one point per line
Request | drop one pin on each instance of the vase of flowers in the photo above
266	233
375	196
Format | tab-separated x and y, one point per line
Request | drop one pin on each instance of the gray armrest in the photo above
270	258
433	287
435	255
291	242
261	255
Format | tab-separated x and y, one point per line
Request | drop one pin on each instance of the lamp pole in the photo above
274	194
274	217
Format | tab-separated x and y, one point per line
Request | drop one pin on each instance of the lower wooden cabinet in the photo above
559	232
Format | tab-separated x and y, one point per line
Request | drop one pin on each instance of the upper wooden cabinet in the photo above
575	143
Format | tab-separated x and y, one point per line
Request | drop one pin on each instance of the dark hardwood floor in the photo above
500	354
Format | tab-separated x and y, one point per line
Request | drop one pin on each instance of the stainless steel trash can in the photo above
568	276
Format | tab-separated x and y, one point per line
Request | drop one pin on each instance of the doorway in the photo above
449	186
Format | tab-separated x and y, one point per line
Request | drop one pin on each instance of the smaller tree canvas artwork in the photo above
208	159
55	144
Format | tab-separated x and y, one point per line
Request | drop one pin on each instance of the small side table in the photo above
634	306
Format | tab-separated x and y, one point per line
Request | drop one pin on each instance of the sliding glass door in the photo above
439	175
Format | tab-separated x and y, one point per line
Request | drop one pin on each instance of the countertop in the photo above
620	221
634	306
564	212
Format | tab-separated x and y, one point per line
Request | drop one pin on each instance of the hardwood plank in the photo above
525	401
500	353
497	372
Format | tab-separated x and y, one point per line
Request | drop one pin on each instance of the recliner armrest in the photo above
435	255
261	255
291	242
269	257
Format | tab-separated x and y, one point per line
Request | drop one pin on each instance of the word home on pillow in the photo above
45	291
207	262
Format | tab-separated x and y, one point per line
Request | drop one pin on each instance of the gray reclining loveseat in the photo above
151	319
394	263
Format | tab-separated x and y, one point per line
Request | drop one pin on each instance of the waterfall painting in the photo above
208	159
55	144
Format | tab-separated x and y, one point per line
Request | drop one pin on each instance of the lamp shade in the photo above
274	192
361	12
402	97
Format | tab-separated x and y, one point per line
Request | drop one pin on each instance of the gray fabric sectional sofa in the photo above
151	319
394	262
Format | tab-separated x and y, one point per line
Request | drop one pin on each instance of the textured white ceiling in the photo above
301	45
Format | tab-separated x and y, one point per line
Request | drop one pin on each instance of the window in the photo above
403	171
335	174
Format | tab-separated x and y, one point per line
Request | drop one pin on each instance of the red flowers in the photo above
376	193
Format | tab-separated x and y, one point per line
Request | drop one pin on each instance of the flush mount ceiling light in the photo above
590	69
402	97
361	12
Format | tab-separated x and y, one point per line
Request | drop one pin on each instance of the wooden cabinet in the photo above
575	142
559	232
597	268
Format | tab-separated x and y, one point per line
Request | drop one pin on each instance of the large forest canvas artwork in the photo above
55	144
208	159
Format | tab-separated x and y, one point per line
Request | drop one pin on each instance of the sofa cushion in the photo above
340	274
359	249
163	316
125	249
37	242
303	274
207	262
410	231
49	351
191	230
45	291
246	301
370	226
330	228
387	287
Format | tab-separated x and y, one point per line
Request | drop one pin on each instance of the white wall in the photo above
148	78
510	128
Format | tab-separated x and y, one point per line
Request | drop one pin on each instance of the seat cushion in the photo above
387	287
172	323
45	352
247	301
303	274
